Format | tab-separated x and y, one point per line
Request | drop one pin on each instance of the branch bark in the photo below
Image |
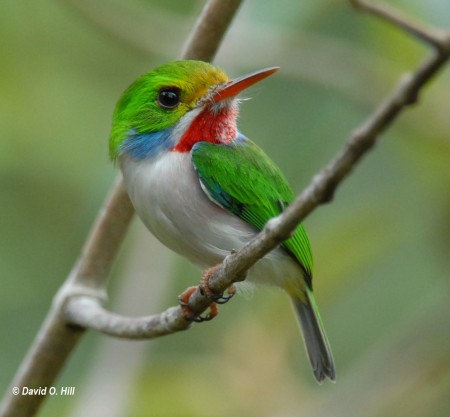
56	338
434	37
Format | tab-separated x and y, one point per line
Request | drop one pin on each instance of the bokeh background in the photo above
381	248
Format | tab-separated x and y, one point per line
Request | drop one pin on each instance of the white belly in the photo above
168	198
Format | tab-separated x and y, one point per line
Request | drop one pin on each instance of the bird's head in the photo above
176	105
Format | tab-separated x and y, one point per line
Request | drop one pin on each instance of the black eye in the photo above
169	98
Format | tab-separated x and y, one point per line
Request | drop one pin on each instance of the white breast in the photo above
168	198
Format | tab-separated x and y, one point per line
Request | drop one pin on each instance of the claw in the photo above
188	314
204	284
183	299
213	312
223	299
206	290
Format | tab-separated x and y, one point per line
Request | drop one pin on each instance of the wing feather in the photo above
241	178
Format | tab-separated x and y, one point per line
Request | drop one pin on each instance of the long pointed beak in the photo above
233	87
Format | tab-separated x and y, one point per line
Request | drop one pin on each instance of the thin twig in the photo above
55	339
210	29
89	313
435	37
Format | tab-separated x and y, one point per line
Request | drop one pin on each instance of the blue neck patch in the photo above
147	145
241	139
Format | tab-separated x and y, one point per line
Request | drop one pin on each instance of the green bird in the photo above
204	189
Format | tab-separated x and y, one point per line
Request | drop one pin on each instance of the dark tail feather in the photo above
316	342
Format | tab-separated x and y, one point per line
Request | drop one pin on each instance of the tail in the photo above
316	342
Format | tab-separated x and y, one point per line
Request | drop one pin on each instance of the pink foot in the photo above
184	298
187	312
206	290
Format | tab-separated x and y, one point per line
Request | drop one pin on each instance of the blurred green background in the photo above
381	248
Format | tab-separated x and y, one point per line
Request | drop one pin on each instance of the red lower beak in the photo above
233	87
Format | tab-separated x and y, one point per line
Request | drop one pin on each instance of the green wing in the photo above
241	178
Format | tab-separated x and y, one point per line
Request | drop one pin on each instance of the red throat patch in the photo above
209	127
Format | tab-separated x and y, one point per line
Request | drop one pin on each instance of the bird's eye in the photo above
169	98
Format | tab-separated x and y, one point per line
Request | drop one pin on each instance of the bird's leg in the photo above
206	290
188	314
223	299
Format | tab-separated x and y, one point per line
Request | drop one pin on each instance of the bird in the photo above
204	189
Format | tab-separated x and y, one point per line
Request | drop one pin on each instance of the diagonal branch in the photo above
320	191
55	339
439	39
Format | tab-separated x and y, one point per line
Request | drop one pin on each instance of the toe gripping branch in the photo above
206	291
